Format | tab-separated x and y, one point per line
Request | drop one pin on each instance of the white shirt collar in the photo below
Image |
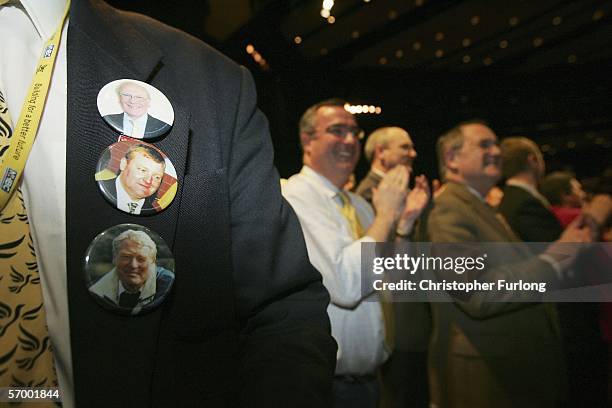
128	126
378	172
45	15
529	188
123	199
475	192
330	189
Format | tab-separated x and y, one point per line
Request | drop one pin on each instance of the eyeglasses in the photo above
342	131
134	98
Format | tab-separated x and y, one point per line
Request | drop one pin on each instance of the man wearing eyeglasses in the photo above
135	119
335	224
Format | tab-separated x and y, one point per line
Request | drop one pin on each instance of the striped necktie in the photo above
26	358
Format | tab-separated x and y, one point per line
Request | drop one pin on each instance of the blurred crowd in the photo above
470	352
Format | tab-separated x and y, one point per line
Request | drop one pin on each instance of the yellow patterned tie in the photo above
349	212
26	358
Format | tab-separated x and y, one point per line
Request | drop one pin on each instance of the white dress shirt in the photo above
356	319
24	28
140	124
124	202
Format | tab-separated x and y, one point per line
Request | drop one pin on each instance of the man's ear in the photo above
532	161
449	160
123	164
305	139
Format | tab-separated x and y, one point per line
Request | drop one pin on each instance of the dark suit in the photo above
528	217
404	375
111	189
106	289
153	129
583	346
485	353
245	323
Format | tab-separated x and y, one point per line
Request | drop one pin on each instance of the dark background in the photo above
539	69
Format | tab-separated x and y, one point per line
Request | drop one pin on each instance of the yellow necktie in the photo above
349	212
26	358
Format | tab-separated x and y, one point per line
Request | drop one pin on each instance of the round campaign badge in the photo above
135	108
136	177
129	269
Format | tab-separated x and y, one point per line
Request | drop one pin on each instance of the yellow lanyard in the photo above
26	128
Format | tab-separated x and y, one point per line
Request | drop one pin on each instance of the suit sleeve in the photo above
448	225
288	354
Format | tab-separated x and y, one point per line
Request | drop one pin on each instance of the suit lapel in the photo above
101	48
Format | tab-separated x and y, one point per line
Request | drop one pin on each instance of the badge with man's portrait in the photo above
129	269
136	177
136	109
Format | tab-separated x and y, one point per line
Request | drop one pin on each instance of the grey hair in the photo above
139	237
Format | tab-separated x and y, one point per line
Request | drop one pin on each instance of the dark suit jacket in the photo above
154	128
485	353
246	320
528	217
111	190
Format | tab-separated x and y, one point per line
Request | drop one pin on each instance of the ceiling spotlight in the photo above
297	39
557	20
250	49
378	110
328	4
382	60
466	42
513	21
439	36
487	61
474	20
466	59
399	53
392	15
331	19
416	46
537	41
439	53
355	34
503	44
325	13
371	108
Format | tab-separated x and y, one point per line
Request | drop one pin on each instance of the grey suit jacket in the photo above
484	352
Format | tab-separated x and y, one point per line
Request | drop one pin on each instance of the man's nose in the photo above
134	262
350	137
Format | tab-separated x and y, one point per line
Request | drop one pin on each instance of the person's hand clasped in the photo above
388	198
